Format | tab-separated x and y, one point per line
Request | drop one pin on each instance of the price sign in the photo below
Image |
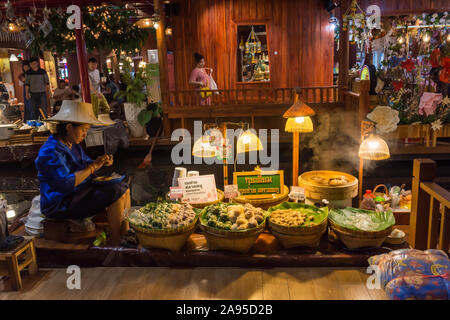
198	189
231	191
297	193
176	193
259	184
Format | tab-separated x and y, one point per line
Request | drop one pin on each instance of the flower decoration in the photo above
408	65
429	102
385	117
398	85
436	125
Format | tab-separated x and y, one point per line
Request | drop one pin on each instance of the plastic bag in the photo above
213	84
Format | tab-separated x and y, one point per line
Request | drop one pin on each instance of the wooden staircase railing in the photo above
430	209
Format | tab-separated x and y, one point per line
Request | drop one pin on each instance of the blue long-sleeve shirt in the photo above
56	165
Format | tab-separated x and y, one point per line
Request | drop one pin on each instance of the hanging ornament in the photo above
355	18
9	11
46	12
45	27
27	37
31	19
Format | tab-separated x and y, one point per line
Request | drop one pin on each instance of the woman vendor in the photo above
66	175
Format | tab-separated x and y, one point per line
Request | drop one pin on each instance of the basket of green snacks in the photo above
297	224
163	225
358	228
232	226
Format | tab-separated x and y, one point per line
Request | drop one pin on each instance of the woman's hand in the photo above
100	161
109	161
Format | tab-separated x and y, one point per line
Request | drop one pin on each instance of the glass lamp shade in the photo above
248	141
203	148
374	148
13	58
299	124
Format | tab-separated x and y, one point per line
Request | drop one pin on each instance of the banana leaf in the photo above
319	214
362	220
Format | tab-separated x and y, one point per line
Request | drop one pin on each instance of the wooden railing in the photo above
430	209
181	98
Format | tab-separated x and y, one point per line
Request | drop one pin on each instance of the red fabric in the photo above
444	74
434	58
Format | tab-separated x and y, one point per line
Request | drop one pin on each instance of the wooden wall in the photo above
297	31
390	7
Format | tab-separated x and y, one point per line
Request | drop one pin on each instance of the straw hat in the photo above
77	112
106	119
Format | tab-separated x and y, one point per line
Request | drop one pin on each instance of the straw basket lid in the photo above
77	112
106	119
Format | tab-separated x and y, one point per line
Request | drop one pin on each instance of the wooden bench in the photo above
13	262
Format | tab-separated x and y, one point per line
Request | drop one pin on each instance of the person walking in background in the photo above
61	93
76	93
28	108
98	100
36	88
200	79
4	95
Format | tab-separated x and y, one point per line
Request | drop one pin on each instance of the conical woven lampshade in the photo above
299	109
374	148
203	148
248	141
299	124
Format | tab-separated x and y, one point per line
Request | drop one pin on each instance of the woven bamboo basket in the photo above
220	197
172	239
291	237
354	239
265	203
237	241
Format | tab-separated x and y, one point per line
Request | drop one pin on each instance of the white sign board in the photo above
199	189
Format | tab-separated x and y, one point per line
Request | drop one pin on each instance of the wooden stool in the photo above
13	262
59	230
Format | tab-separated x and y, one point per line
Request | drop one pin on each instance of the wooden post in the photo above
295	157
363	107
444	236
360	178
343	53
163	66
423	170
225	162
82	61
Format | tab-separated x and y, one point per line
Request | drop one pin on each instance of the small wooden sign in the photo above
259	184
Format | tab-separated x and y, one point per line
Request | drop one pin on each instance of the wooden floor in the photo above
201	283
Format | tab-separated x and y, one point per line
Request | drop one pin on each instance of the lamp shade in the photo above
374	148
299	109
299	124
13	58
248	141
203	148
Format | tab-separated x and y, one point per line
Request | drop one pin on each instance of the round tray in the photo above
319	191
265	203
299	236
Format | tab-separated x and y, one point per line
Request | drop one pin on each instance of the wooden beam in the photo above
343	52
82	60
163	66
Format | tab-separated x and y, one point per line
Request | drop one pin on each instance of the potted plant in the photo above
150	118
135	95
